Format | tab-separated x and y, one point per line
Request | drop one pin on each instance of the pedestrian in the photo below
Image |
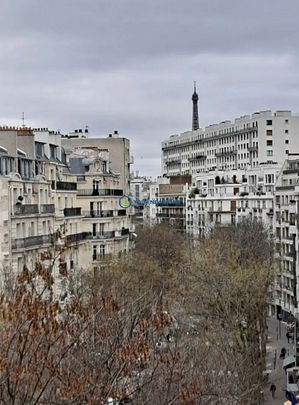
288	336
273	389
283	353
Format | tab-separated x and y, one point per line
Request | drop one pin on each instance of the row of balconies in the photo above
225	153
109	234
104	214
33	209
268	211
32	241
41	240
173	161
72	186
63	185
170	215
213	137
198	157
100	192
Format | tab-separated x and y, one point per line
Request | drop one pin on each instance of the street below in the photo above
276	341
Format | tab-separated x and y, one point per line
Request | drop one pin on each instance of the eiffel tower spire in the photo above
195	119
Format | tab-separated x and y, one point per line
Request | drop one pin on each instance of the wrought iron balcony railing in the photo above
100	192
72	212
32	241
26	209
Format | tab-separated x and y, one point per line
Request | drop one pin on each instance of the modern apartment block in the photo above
248	141
224	197
61	197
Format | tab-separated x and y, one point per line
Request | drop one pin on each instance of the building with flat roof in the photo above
248	141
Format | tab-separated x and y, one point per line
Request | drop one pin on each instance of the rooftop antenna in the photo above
23	119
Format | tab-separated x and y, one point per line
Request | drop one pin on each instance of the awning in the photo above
288	360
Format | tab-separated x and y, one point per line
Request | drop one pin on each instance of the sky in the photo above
129	65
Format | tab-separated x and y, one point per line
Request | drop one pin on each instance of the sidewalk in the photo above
277	376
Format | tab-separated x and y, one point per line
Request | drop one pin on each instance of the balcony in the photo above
252	149
292	229
170	215
32	241
77	237
26	209
98	214
33	209
102	257
173	161
104	214
198	157
47	209
103	235
100	192
110	234
63	186
225	153
72	212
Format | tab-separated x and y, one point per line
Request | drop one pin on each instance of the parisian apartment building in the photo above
247	142
60	193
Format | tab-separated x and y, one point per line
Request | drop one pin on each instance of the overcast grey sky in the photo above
130	65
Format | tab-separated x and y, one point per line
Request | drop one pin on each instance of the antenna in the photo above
23	119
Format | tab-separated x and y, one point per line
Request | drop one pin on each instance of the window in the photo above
53	151
101	230
94	252
286	121
269	142
287	152
39	149
269	132
269	152
286	131
269	122
95	185
287	141
102	250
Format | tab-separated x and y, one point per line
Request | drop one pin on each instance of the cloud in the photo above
130	65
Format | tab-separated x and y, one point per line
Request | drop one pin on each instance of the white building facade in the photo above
225	197
263	137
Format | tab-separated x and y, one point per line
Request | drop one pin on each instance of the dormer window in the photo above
39	150
53	151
